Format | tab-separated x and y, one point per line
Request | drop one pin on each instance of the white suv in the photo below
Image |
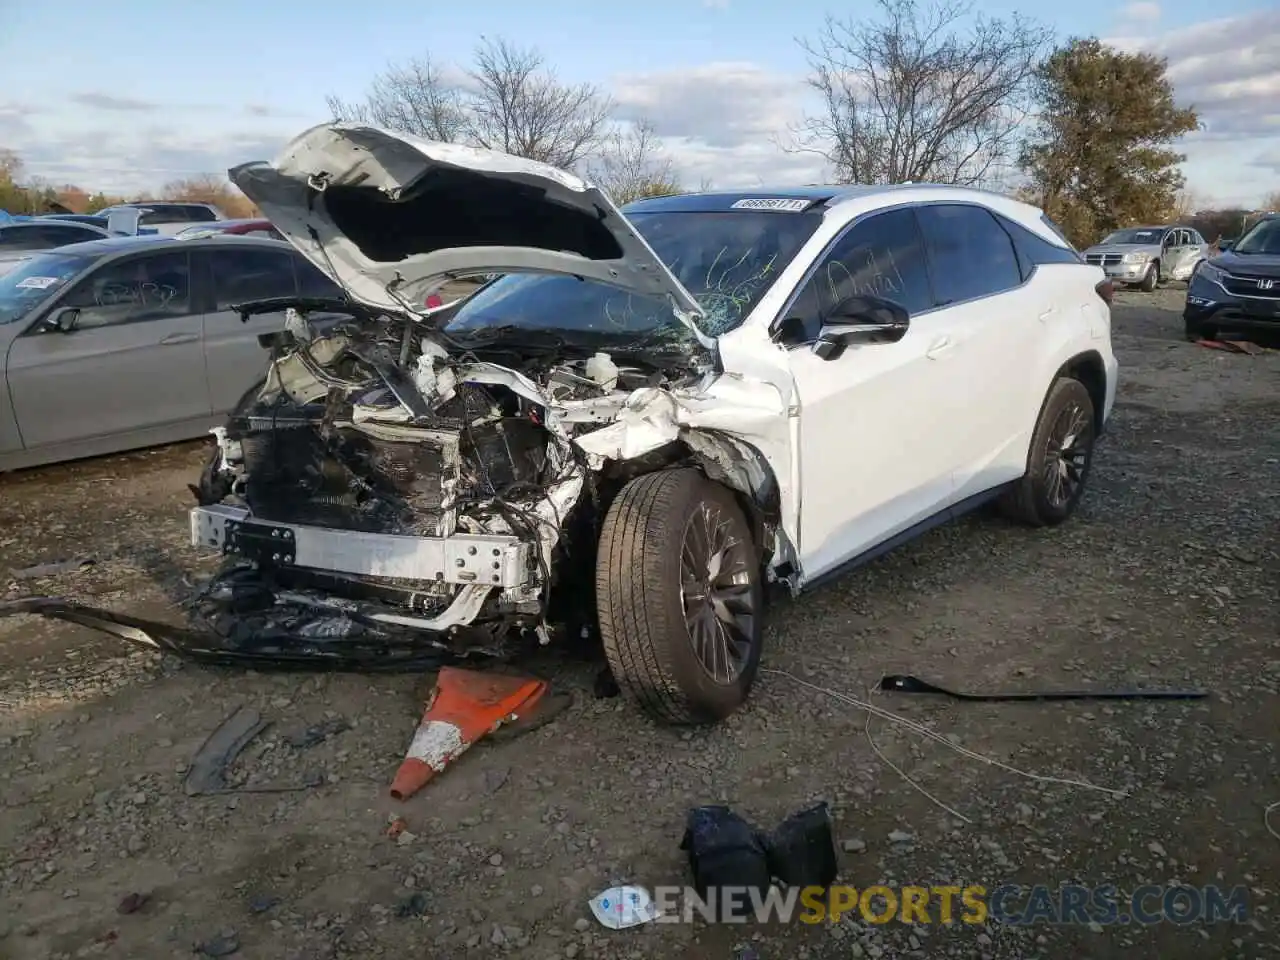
651	414
168	217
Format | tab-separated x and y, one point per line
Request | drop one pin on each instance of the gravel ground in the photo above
1168	576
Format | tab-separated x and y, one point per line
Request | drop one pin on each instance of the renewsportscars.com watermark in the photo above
1007	904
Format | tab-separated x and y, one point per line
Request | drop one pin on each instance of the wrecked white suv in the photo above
648	417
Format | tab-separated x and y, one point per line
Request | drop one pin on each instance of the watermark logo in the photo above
954	904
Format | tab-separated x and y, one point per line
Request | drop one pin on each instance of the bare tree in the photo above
632	165
1186	204
917	97
508	100
414	98
519	106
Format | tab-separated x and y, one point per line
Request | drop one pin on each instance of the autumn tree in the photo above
509	99
632	165
1271	202
921	93
210	188
1100	154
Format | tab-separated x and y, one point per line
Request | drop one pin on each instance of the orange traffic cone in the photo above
464	706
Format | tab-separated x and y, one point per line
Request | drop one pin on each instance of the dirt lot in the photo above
1167	577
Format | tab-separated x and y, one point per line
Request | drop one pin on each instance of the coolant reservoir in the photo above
603	370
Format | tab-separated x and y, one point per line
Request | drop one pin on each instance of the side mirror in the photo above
1225	244
861	320
62	321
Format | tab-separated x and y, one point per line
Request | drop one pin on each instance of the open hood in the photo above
391	217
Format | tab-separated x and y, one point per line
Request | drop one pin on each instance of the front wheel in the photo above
1196	332
1059	460
679	596
1151	279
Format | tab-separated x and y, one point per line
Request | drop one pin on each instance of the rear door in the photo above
234	358
995	318
133	361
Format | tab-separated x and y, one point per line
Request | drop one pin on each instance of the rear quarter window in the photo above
1034	250
1056	230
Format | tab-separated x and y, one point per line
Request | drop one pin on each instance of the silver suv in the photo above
1148	256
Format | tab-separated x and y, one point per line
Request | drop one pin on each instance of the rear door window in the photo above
970	255
314	283
240	276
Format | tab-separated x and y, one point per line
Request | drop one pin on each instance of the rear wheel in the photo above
1059	460
679	596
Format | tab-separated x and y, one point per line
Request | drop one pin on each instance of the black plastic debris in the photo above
222	945
261	902
908	684
605	687
208	771
132	903
413	906
317	733
802	849
53	569
725	850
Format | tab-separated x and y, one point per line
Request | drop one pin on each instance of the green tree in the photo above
1100	153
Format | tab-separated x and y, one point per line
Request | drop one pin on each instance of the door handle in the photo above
1048	312
176	338
938	347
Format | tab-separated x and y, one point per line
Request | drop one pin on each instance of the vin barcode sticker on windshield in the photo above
772	203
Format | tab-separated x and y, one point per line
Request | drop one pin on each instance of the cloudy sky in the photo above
125	96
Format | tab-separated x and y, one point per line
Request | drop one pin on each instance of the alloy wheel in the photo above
1067	455
717	593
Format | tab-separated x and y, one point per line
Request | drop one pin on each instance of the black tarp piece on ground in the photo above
724	851
802	849
263	650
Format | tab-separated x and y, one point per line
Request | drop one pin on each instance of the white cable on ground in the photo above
921	729
1266	819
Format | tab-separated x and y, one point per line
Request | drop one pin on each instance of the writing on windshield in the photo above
727	260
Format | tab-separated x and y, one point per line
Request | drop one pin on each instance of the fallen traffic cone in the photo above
464	706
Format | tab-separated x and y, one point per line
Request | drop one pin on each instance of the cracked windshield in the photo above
727	260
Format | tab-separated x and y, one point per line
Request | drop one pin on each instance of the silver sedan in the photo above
122	343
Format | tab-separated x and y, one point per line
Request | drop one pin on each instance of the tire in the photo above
1151	279
641	602
1031	499
1196	332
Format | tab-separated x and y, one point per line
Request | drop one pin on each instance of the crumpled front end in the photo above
382	485
372	486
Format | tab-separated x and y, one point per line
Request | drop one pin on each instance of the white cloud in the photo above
1143	11
1229	70
722	122
130	160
